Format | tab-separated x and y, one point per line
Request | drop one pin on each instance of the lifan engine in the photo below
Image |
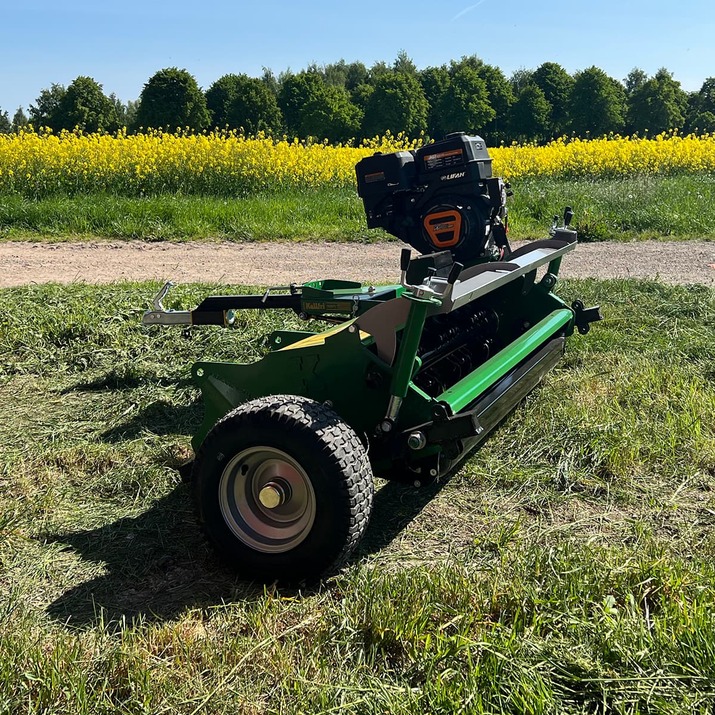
440	197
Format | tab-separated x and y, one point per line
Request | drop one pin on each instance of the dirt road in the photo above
281	263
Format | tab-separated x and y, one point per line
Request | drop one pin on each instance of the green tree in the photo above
356	75
237	100
360	96
348	75
530	114
701	104
172	98
297	91
219	97
500	96
404	64
125	113
312	108
86	107
19	120
435	83
636	78
703	122
465	104
129	118
271	81
5	123
657	104
331	115
598	103
520	78
335	74
377	70
556	84
706	95
45	111
397	104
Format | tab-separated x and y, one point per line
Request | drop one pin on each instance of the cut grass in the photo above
567	568
638	208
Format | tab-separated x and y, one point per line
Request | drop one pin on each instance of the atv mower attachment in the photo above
408	381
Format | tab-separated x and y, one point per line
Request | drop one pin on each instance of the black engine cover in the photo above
439	197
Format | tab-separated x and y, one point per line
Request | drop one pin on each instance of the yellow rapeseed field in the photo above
226	163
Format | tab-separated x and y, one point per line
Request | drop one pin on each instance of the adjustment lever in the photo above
454	273
405	258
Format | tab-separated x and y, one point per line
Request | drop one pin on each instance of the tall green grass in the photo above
569	567
642	207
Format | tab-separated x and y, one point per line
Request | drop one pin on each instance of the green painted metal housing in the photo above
342	366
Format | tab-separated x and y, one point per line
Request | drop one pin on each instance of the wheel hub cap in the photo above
274	494
267	499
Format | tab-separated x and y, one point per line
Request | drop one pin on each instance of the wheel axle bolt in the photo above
273	495
417	440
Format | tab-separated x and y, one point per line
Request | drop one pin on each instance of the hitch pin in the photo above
160	316
159	297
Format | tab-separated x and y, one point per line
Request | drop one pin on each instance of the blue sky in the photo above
122	44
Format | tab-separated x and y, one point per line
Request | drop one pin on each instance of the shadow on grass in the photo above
158	564
160	417
114	380
394	507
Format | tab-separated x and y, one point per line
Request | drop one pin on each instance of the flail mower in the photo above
408	380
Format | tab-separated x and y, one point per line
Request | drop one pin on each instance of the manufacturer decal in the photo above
455	175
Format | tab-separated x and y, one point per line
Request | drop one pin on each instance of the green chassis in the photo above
412	435
409	380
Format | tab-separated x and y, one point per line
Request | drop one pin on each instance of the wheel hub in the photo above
267	499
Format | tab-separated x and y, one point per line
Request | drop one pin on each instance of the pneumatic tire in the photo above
283	489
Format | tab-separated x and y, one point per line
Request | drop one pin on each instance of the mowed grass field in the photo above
568	567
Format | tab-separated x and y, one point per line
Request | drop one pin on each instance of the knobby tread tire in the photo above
338	467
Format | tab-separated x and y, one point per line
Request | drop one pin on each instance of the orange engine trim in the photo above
444	228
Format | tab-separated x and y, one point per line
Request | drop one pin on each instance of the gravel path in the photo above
280	263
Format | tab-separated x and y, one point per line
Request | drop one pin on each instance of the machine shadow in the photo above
160	417
156	565
395	506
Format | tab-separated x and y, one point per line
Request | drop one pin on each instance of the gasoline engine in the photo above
440	197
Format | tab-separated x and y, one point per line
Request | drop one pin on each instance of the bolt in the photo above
386	426
352	329
417	483
273	495
303	316
433	472
417	440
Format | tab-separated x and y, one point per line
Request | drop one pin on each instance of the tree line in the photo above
348	100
